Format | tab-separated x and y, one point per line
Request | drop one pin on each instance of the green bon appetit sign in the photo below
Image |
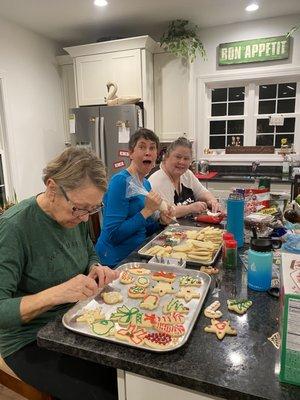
255	50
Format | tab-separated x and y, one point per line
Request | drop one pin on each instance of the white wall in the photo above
33	104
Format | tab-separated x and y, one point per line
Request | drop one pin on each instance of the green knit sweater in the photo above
36	253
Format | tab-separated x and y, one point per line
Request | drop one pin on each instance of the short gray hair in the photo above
74	166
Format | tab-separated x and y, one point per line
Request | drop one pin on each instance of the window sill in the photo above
266	159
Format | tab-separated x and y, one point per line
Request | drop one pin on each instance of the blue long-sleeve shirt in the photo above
124	227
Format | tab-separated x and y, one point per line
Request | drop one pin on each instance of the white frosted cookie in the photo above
112	297
175	305
142	281
212	311
150	302
105	327
187	293
90	316
162	288
125	278
139	271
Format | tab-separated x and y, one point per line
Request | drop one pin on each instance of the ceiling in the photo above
78	21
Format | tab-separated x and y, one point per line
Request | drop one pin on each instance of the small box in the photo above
172	262
290	319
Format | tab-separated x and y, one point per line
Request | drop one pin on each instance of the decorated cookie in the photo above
173	318
105	327
212	311
175	305
139	271
125	278
136	292
209	270
126	316
158	340
220	328
187	280
142	281
187	293
150	302
91	316
112	297
239	306
172	330
162	288
132	334
164	276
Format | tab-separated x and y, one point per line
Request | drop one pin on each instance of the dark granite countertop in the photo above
244	367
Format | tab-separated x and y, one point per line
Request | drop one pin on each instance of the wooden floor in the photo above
7	394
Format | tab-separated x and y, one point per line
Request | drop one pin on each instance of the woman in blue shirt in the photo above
128	221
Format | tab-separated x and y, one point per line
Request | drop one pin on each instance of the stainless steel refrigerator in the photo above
106	129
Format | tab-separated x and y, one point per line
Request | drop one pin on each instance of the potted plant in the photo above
181	39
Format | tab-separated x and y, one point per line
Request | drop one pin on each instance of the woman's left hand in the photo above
104	275
216	207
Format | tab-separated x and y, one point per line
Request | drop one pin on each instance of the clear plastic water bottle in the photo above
260	261
235	217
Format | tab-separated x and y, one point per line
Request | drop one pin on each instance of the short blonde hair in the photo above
74	166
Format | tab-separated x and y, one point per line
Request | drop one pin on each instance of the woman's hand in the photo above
103	275
216	207
152	203
197	207
167	217
78	288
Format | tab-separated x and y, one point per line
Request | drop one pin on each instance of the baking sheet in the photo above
69	319
179	228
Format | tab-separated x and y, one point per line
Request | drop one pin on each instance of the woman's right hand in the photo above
80	287
152	203
197	207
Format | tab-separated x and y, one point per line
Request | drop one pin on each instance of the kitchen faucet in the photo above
255	164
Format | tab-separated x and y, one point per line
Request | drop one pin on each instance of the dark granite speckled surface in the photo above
236	368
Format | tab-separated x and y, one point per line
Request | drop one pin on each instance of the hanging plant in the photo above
181	39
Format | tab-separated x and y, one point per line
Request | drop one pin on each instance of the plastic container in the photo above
225	236
230	258
260	260
235	218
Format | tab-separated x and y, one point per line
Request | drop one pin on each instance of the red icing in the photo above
136	335
159	338
173	330
163	274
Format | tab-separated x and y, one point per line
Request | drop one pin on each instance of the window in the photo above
227	117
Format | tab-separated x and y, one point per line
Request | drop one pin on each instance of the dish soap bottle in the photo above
285	166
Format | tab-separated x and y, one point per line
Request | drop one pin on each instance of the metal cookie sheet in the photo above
69	319
180	228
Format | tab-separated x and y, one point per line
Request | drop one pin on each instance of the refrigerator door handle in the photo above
102	148
96	133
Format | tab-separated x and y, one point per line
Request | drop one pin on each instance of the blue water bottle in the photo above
260	261
235	217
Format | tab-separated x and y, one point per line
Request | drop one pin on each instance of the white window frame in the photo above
251	81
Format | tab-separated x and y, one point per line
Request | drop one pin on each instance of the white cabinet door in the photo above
94	71
171	91
69	95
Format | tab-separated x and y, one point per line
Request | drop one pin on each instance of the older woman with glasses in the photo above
47	262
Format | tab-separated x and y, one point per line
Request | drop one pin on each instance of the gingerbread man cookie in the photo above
187	293
139	271
133	334
220	328
239	306
142	281
105	327
150	302
187	280
125	278
175	305
164	276
212	311
158	340
90	316
162	288
136	292
112	297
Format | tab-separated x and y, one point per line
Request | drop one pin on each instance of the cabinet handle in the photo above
102	144
96	135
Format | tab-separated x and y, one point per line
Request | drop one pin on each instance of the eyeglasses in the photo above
80	212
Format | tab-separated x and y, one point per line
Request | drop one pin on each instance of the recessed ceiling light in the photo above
100	3
252	7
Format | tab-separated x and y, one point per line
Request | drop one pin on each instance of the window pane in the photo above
290	139
218	95
267	91
217	127
217	142
218	109
236	93
285	106
266	107
263	126
236	126
288	125
236	108
287	89
229	140
265	140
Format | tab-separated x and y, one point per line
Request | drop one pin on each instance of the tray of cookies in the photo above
147	307
195	245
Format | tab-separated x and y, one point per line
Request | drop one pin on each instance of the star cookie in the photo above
142	281
137	292
162	288
175	305
187	293
220	328
150	302
164	276
139	271
212	311
112	297
187	280
132	334
239	306
125	278
91	316
209	270
105	327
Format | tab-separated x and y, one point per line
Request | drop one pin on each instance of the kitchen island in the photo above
244	367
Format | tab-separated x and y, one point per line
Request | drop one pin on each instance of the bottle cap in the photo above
261	245
231	244
227	236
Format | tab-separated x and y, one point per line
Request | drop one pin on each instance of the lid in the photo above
261	245
231	244
227	236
